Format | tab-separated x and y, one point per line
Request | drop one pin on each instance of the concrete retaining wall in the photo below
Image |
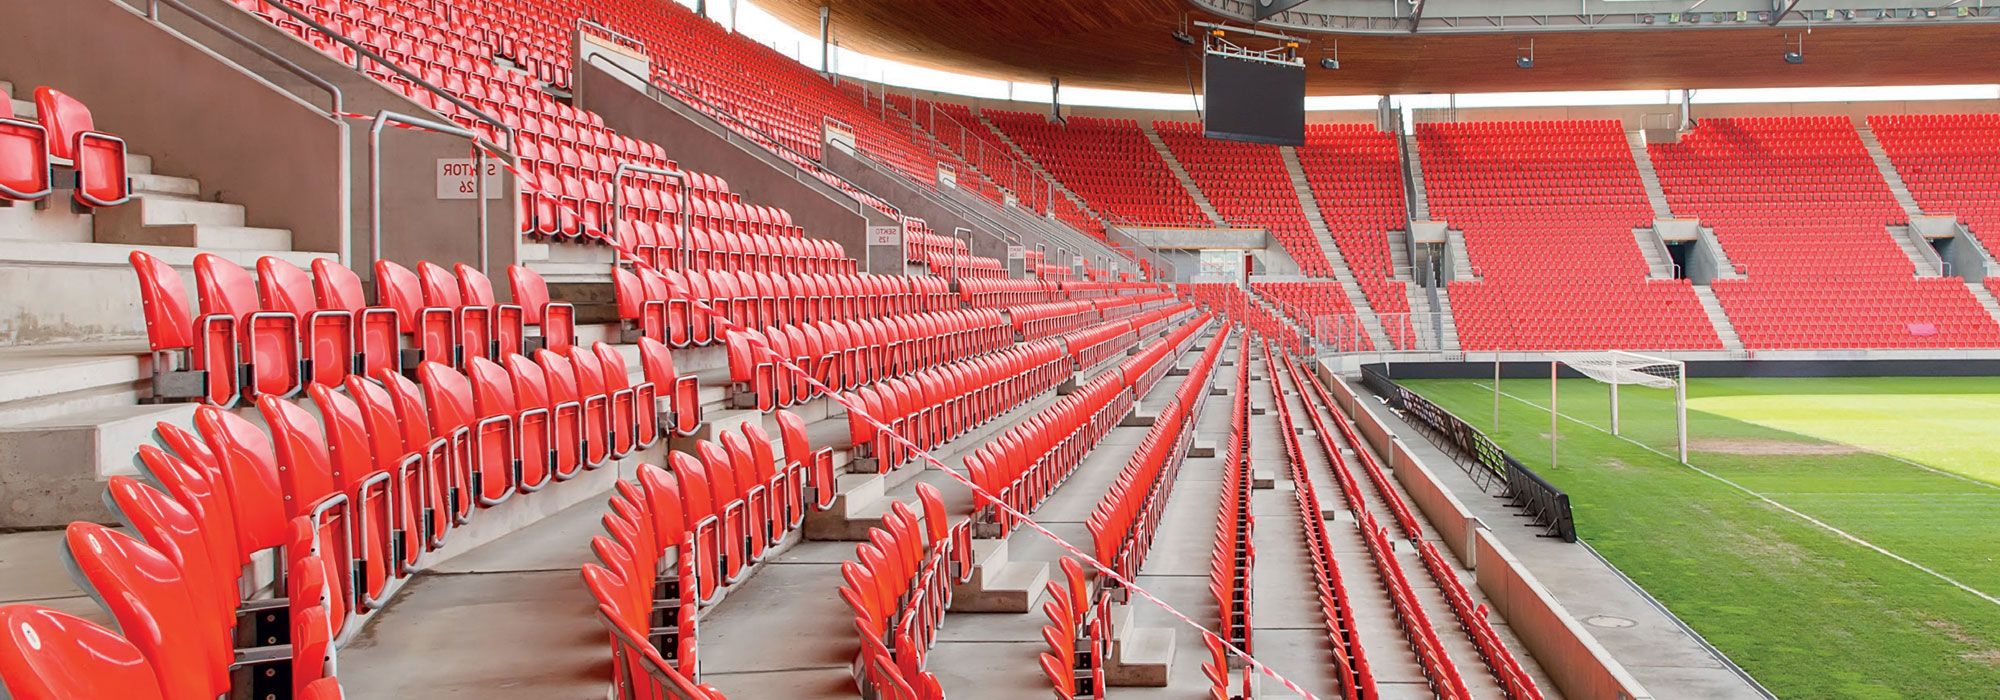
1573	659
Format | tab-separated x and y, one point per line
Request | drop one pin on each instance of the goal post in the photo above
1619	368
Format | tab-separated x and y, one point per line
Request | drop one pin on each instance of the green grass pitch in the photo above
1909	465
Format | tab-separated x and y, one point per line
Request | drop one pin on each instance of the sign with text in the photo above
456	178
1014	251
884	235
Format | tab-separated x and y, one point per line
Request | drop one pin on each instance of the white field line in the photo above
1780	506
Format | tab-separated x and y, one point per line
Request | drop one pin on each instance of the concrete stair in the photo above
1447	324
1180	173
1986	299
1726	269
999	585
1640	157
1724	329
1037	166
1370	322
1399	254
1658	261
1420	208
1888	169
1461	260
1917	250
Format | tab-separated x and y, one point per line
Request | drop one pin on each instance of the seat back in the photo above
154	606
50	655
64	117
164	302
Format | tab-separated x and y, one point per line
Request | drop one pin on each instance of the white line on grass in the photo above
1780	506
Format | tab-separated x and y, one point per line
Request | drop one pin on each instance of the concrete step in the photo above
165	187
60	292
1141	657
7	89
1643	158
32	377
136	164
1180	173
1986	299
163	211
53	471
24	109
1725	330
204	236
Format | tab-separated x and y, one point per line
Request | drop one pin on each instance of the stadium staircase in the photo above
1652	248
1984	293
1461	259
1447	322
1420	210
1897	188
1923	258
1039	169
1724	330
1181	173
1349	285
1654	196
73	357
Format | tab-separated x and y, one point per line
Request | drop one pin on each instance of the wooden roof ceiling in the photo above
1128	44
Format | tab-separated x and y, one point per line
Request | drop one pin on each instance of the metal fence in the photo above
1401	332
1481	458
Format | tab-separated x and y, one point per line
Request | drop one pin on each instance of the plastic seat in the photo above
50	655
97	157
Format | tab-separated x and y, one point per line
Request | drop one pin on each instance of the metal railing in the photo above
734	127
383	120
630	41
337	102
1484	460
363	52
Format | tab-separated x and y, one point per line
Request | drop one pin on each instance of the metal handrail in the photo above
682	182
720	113
479	147
361	52
153	14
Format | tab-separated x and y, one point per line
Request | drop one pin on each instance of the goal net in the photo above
1654	397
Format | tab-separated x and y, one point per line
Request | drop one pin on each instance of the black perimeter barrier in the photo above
1480	457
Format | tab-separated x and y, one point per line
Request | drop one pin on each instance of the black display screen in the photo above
1254	100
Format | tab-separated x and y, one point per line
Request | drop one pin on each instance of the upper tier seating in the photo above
1355	174
1951	163
960	131
1109	163
1249	186
1800	208
1548	210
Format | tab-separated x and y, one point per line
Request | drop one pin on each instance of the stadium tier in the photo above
1109	163
700	415
1802	212
1548	210
1355	176
1248	184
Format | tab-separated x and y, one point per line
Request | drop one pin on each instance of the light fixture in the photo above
1183	37
1797	45
1526	59
1332	61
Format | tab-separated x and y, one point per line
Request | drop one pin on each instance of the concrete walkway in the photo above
1670	660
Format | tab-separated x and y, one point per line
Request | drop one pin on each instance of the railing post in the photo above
382	121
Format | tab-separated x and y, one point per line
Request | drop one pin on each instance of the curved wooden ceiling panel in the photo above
1128	44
